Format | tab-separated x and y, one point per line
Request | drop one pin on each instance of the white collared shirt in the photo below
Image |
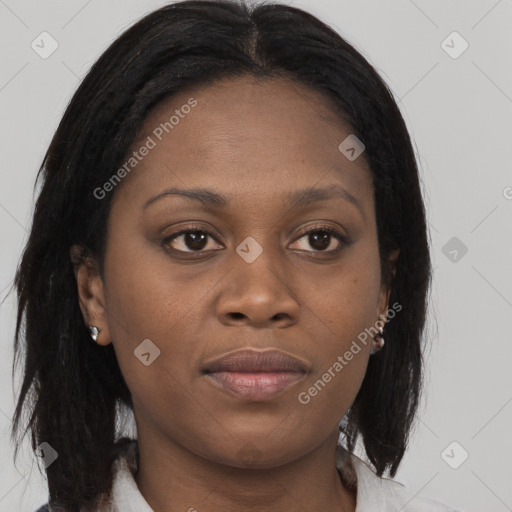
374	494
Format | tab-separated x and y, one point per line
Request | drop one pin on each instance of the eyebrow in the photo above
298	198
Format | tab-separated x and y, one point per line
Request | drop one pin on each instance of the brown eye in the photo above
321	238
189	240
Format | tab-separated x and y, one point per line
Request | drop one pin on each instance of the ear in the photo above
385	291
91	296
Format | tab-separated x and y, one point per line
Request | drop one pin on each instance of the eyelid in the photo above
324	227
343	240
187	229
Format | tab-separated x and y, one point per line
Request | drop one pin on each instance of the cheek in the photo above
345	299
146	300
150	306
147	292
334	385
346	315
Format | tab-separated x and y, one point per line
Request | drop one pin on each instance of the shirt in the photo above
373	493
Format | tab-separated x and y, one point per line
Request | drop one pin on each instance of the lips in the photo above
256	361
255	375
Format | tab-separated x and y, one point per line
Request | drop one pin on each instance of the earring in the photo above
94	331
378	342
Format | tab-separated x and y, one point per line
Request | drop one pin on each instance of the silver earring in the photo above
378	341
94	331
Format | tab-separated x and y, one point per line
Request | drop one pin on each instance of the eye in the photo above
321	238
193	238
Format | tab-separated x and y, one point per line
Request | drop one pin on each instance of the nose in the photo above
258	294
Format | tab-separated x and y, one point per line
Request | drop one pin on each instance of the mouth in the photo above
253	375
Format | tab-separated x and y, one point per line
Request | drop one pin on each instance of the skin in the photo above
256	142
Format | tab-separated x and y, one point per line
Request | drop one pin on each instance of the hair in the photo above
71	386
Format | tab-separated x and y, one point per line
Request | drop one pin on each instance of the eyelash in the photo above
342	239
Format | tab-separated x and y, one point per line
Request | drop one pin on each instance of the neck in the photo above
172	478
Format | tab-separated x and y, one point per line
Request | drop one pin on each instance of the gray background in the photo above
459	113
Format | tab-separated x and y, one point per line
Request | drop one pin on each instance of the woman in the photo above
229	226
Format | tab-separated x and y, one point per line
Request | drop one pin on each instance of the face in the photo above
245	267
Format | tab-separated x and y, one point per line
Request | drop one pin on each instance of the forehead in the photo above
245	136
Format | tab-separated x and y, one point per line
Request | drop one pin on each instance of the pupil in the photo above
319	242
195	240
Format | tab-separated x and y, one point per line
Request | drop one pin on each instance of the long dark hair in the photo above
70	386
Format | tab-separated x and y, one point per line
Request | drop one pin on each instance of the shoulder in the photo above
380	494
428	505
